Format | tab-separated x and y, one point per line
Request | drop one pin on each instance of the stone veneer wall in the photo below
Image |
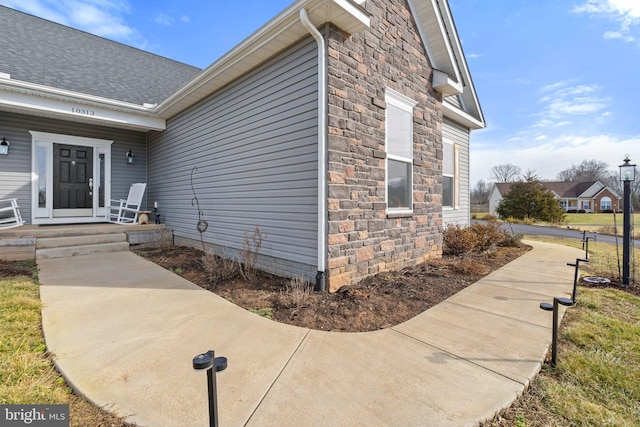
362	238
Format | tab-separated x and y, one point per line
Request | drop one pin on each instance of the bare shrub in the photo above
250	250
219	268
460	239
297	293
471	267
457	240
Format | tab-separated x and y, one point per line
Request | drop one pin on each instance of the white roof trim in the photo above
282	31
454	113
441	41
45	101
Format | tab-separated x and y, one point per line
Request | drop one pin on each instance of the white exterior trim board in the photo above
47	101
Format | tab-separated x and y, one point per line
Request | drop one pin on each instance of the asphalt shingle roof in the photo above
38	51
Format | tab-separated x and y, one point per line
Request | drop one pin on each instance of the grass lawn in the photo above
27	374
597	378
597	219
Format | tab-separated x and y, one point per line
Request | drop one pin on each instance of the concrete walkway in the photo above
124	333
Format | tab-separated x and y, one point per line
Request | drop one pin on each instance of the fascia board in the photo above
459	116
461	62
51	102
281	31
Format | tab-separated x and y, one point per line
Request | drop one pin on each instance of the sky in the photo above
558	80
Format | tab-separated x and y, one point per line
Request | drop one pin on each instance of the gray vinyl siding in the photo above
254	144
455	100
15	169
457	134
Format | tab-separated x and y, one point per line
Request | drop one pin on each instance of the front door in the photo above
72	180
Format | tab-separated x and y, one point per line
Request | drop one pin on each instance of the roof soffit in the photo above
441	41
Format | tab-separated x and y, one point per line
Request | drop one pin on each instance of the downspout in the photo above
322	149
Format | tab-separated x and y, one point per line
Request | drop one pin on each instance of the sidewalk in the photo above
124	332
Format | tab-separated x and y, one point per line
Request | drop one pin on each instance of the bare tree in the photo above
530	176
505	172
480	192
588	170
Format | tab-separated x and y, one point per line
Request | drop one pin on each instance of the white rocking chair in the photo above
126	211
10	214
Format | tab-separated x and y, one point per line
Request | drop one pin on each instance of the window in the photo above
605	204
450	175
399	144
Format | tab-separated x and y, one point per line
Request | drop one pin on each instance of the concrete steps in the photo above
58	241
80	243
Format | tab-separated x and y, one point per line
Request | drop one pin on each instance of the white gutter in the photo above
322	148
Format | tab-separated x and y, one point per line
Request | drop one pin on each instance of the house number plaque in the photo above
83	111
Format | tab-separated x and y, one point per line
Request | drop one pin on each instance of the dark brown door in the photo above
72	177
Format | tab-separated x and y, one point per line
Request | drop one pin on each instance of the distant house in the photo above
574	197
340	128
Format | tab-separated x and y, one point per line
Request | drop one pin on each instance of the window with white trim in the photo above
605	204
450	175
399	145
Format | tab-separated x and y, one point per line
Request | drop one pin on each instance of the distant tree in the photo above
588	170
530	175
505	172
480	192
612	180
530	200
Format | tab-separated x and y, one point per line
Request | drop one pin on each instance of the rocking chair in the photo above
126	211
10	214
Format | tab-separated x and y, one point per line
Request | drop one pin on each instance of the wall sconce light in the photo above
4	147
131	159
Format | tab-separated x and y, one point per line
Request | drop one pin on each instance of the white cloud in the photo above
168	20
625	13
104	18
612	35
164	19
562	100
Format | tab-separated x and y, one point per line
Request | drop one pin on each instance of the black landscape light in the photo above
627	175
207	361
585	245
575	276
554	338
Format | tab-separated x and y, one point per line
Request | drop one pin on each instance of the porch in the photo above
59	241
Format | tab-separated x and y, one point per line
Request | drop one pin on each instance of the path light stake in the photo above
575	276
586	247
554	338
207	361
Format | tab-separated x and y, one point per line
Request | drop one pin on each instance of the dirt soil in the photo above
377	302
